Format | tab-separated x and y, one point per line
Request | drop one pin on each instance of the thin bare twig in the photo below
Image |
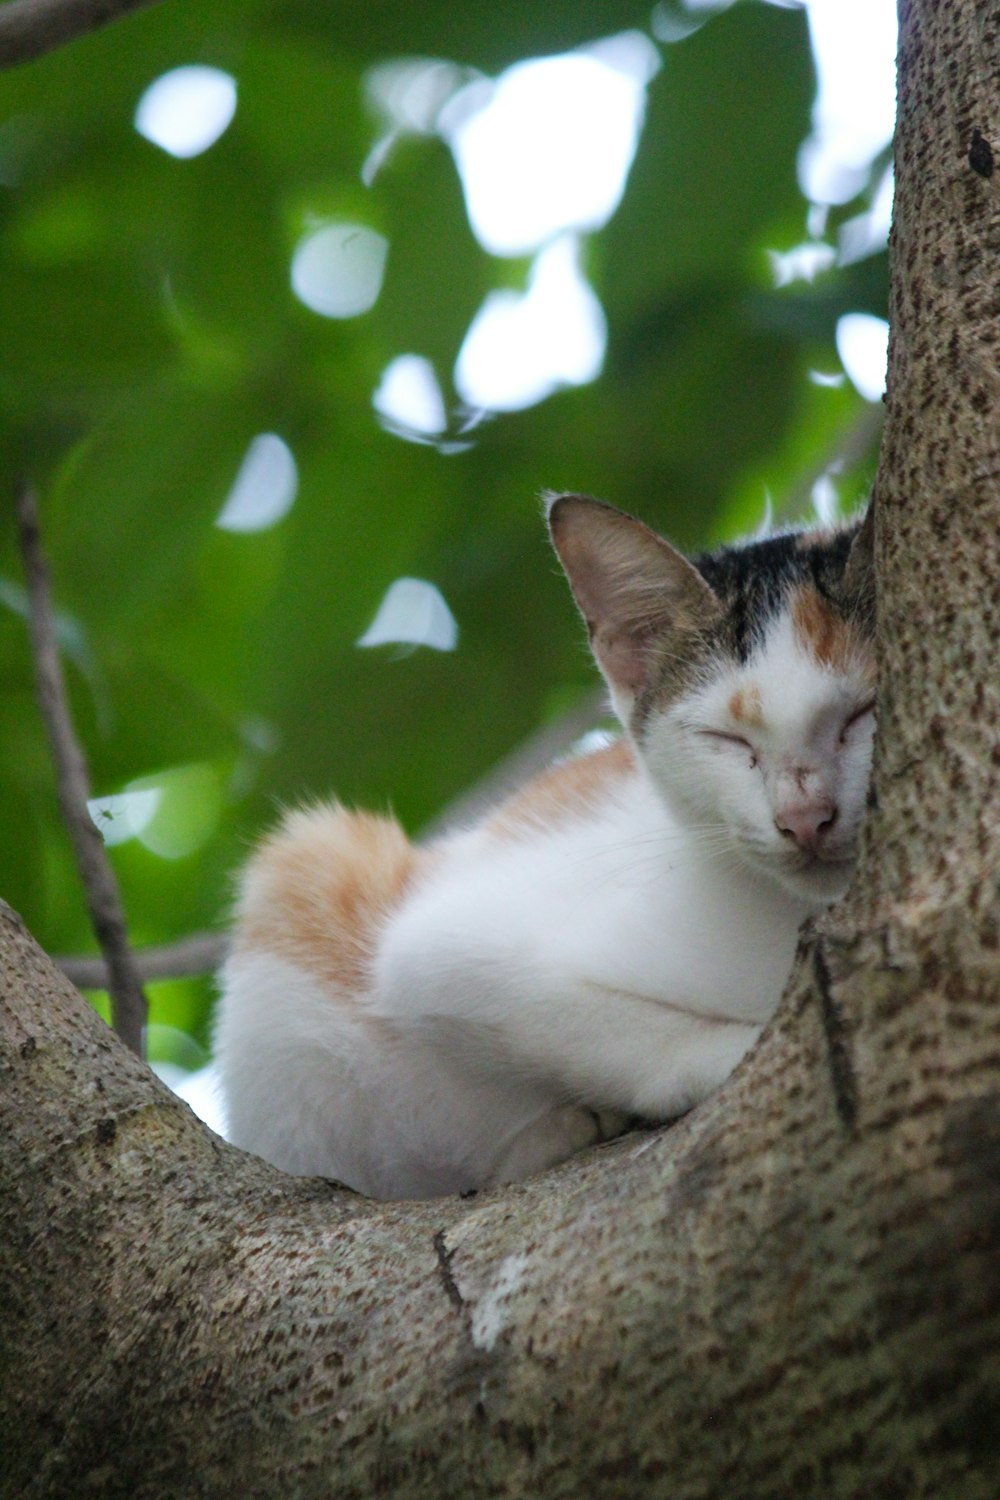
30	28
128	1002
199	953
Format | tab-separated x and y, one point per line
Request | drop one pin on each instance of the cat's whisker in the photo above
723	850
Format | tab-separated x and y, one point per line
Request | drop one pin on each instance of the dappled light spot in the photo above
70	633
548	146
412	613
802	263
409	398
187	811
868	233
123	816
522	347
408	94
411	91
259	734
765	526
825	500
337	270
186	110
265	487
675	20
828	379
863	343
854	44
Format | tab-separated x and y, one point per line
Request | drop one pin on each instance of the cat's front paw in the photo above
560	1133
608	1123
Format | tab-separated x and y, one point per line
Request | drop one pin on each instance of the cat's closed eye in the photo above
724	737
855	718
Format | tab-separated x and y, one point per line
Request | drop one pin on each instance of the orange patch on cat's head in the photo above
745	707
831	640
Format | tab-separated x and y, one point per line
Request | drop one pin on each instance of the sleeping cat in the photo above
423	1020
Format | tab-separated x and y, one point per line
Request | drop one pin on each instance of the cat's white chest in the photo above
661	915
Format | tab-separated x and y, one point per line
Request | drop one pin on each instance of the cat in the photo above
415	1021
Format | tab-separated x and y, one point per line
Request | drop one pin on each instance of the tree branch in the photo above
199	953
128	1002
30	28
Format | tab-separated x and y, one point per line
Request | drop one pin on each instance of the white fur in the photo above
621	960
805	711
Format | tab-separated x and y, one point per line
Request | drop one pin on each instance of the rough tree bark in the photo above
794	1291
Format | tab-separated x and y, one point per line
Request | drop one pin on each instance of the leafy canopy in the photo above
151	334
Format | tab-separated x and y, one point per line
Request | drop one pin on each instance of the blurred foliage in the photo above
150	331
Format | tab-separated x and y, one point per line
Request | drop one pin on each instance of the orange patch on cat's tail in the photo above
319	889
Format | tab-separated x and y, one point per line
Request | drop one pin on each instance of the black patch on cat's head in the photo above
753	581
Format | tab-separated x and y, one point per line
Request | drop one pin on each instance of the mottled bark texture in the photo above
793	1292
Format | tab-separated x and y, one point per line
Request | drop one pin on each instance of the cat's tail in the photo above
296	1044
318	890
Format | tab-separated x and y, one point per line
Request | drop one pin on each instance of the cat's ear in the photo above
634	590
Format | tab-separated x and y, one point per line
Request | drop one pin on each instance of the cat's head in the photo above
746	680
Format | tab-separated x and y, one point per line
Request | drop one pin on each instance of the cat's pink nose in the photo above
807	823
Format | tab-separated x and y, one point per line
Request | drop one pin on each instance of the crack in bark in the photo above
981	154
842	1076
447	1276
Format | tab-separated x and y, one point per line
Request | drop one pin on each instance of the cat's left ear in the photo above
637	594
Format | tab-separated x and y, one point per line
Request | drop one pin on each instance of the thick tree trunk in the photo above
793	1292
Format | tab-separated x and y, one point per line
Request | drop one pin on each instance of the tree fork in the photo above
778	1295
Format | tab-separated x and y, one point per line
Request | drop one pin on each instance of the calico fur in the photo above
609	942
